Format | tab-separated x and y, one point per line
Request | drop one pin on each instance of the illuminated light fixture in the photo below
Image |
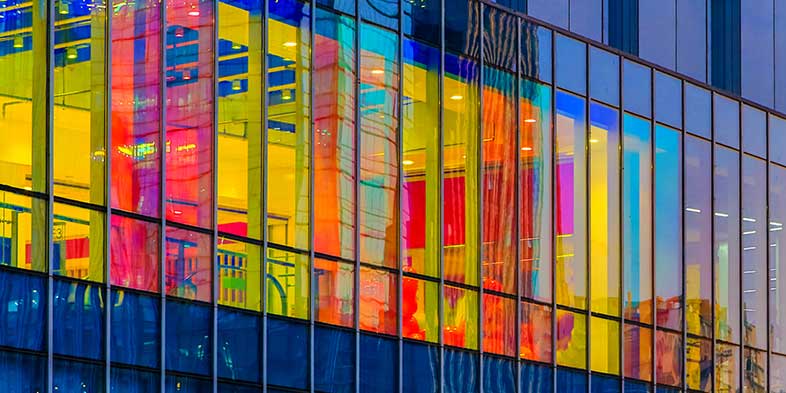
719	214
290	44
692	210
177	212
749	249
194	11
407	162
377	71
749	233
236	86
457	97
63	9
71	53
286	94
594	140
526	148
749	272
530	121
179	32
19	42
186	75
746	219
236	46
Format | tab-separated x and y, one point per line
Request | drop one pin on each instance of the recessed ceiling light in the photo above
457	97
407	162
290	44
377	71
530	121
594	141
526	148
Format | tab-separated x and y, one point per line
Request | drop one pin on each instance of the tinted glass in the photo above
586	18
698	111
571	64
637	88
757	19
134	252
692	42
668	100
777	138
287	353
188	337
604	76
657	32
23	311
535	51
698	236
334	353
78	320
754	131
378	362
571	339
425	359
727	121
461	372
777	256
754	254
727	244
239	345
136	329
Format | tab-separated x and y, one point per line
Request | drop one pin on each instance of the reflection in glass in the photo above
604	209
638	354
668	231
287	280
499	325
461	317
727	244
535	332
535	227
78	243
239	274
777	257
605	342
334	289
668	352
189	112
420	194
136	105
379	81
755	371
23	232
571	339
570	201
378	300
699	364
698	237
334	135
420	309
499	181
637	219
727	368
134	252
188	269
754	251
461	178
288	140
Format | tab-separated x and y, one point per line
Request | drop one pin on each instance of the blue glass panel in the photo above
498	375
188	337
637	387
698	111
421	19
569	381
22	373
287	353
757	50
230	388
623	25
461	27
602	384
334	360
664	389
754	131
70	376
727	121
637	84
552	11
345	6
668	100
657	32
777	139
500	29
378	362
536	378
22	311
78	320
604	76
123	380
461	372
136	329
420	368
239	345
692	39
381	12
535	51
178	384
571	64
586	18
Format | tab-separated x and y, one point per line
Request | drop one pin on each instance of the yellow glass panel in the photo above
287	283
571	339
23	231
605	349
78	241
239	274
461	317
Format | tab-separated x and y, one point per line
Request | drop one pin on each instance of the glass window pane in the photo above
535	51
240	128
754	131
698	111
71	376
499	31
461	371
698	237
777	139
189	273
499	325
603	384
287	353
136	329
461	317
727	368
287	283
535	332
668	355
334	135
420	199
755	371
668	228
657	27
136	105
692	42
378	300
239	274
535	158
384	13
605	341
23	89
23	313
79	129
239	338
571	339
23	232
499	181
134	254
638	354
571	381
757	47
462	28
78	320
604	76
777	255
536	378
571	64
188	337
604	209
551	11
379	362
78	243
586	18
177	384
189	112
699	365
668	99
570	201
379	79
461	178
727	244
637	88
727	121
754	251
334	289
334	359
421	368
123	380
420	309
777	374
421	20
498	375
288	141
637	218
